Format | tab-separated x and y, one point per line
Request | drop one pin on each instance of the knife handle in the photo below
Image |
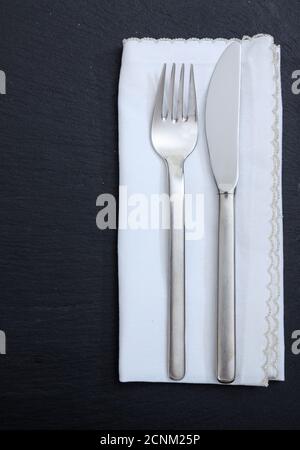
226	290
177	275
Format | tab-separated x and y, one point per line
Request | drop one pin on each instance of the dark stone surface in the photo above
58	273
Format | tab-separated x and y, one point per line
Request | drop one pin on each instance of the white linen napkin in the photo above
143	254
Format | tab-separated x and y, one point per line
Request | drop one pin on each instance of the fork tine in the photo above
159	100
192	102
180	94
171	95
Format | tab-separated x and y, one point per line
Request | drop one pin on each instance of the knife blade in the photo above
222	132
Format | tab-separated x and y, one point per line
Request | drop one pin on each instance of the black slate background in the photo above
58	272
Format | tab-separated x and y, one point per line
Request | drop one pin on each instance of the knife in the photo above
222	132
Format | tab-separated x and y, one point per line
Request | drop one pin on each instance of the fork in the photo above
174	136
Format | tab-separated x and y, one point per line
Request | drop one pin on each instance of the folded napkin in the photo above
143	253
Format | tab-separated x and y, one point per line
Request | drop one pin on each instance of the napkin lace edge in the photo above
272	320
172	40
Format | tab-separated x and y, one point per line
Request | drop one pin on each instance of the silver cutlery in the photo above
222	131
174	135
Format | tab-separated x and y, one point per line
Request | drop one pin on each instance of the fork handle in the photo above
177	275
226	290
